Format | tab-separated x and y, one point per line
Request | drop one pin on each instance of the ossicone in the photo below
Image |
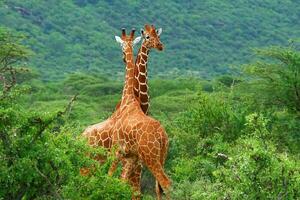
123	32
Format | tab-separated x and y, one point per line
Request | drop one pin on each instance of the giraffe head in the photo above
151	37
127	41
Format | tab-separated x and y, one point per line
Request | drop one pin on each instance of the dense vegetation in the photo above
201	37
232	135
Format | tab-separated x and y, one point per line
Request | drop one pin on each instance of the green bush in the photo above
40	158
250	169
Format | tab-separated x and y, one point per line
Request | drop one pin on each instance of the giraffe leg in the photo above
135	180
129	166
158	190
115	163
164	183
84	171
113	167
131	172
155	167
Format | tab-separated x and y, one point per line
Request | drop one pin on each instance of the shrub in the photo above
41	158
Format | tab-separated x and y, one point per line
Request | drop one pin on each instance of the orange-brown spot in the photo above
144	57
143	88
150	137
142	68
144	98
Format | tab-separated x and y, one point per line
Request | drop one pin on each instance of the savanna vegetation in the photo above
233	136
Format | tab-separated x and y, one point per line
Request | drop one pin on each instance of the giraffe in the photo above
150	40
138	137
99	134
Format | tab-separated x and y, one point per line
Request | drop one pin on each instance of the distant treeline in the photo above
202	38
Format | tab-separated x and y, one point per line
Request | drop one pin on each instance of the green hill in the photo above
201	37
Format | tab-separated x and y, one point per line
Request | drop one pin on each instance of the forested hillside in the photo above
201	37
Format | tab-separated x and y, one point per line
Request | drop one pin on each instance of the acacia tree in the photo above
277	77
12	55
272	86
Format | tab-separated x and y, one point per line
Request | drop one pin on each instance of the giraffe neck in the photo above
141	78
128	90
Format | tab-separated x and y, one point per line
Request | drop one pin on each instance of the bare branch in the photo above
49	182
45	125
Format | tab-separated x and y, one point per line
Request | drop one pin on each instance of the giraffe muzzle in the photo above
160	47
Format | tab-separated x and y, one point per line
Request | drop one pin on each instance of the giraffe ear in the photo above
142	31
119	40
137	40
159	31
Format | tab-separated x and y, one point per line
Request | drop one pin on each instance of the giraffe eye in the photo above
147	37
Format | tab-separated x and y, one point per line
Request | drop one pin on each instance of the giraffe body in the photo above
99	134
138	135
